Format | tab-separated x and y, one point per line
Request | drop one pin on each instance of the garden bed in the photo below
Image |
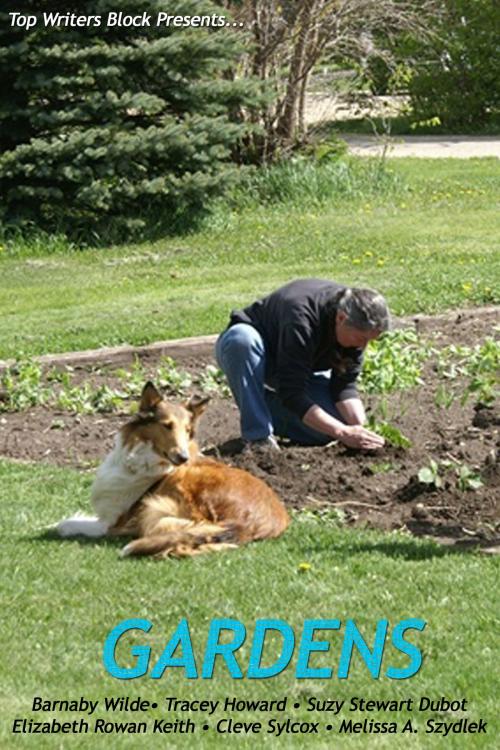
444	485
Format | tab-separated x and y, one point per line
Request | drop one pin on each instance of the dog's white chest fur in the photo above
122	478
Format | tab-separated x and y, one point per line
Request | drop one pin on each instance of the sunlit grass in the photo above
61	598
429	248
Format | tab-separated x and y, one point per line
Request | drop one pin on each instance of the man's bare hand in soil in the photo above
352	435
357	436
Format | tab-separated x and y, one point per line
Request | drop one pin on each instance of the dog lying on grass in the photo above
157	487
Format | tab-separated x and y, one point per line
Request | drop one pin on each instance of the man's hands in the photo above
356	436
352	435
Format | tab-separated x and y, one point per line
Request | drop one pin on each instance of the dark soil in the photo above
379	490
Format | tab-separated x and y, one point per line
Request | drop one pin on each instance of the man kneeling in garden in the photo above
292	360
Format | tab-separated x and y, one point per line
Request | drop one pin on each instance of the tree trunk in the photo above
288	120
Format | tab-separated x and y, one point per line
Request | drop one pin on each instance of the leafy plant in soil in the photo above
212	380
22	386
430	475
483	370
444	397
391	434
85	400
467	479
168	376
479	364
393	362
381	467
134	379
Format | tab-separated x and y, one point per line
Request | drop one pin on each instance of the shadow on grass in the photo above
398	548
51	535
343	544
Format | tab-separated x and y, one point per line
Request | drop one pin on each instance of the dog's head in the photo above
168	428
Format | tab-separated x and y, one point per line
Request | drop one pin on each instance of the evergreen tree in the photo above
104	125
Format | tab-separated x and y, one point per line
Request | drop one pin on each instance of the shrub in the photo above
454	76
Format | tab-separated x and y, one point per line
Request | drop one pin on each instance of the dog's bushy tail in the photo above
186	541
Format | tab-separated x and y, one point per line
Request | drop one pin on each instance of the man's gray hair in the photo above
365	309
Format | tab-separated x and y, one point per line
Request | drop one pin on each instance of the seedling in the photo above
484	387
325	515
134	379
391	434
213	380
169	377
452	361
84	400
430	475
467	479
393	362
22	387
381	467
480	364
444	397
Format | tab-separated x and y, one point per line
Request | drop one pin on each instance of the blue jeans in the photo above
241	355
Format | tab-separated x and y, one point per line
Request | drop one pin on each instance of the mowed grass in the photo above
429	244
61	598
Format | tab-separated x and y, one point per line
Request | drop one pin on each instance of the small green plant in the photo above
212	380
83	399
451	361
22	386
483	387
444	397
326	514
479	364
381	467
430	475
172	379
60	376
134	379
391	434
467	479
393	362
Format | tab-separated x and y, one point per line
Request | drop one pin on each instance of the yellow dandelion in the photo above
303	567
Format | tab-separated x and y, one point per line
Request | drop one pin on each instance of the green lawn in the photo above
429	246
60	599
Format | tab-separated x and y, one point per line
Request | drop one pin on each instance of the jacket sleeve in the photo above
343	383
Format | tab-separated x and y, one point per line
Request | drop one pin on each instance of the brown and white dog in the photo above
157	487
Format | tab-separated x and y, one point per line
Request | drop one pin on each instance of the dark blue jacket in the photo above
297	324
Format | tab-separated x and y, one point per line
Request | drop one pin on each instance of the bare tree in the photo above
292	36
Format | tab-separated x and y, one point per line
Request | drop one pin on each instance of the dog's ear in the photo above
150	398
196	405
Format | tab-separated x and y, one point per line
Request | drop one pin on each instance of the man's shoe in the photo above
268	442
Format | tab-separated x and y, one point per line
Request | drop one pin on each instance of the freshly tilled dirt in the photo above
378	490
